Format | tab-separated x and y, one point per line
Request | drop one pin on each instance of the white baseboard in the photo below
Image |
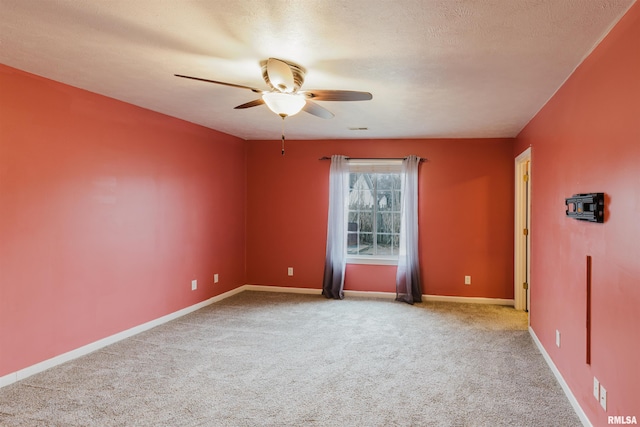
382	295
367	294
565	387
266	288
313	291
468	300
90	348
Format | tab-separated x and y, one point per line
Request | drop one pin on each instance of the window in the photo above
374	211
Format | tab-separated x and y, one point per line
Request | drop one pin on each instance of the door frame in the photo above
522	242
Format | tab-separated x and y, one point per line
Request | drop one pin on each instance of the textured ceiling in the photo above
436	68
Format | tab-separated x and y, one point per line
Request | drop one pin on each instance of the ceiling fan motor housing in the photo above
298	72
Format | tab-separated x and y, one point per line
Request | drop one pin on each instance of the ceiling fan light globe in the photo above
284	104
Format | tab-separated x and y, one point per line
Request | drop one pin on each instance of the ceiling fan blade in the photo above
337	95
220	83
317	110
250	104
280	75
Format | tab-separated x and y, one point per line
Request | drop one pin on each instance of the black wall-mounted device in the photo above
586	207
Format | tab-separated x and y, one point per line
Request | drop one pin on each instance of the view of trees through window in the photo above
373	225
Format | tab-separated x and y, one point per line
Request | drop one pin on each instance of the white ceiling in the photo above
436	68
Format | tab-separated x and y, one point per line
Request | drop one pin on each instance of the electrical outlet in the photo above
194	285
215	278
290	271
467	280
557	338
596	388
603	397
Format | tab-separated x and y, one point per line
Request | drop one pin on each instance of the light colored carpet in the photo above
273	359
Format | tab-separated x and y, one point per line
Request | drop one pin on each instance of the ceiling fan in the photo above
284	96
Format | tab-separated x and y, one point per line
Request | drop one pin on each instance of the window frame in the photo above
371	166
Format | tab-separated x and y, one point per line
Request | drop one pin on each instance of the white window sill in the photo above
372	260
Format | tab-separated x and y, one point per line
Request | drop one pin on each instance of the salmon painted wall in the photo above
465	207
107	212
587	139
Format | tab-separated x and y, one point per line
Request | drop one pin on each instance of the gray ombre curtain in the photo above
408	286
335	260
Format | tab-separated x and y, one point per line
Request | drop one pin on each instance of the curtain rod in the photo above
372	158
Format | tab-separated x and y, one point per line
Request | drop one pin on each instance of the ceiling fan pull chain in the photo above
283	135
